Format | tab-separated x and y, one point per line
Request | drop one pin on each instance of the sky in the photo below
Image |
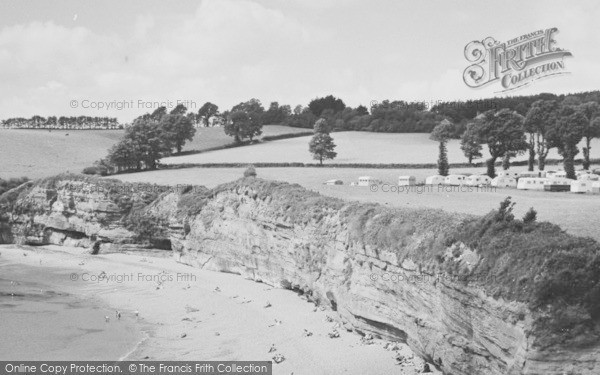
72	57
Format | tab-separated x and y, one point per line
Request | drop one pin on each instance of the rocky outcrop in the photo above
406	275
81	211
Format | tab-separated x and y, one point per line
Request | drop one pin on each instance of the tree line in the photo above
388	116
547	124
462	112
62	122
534	128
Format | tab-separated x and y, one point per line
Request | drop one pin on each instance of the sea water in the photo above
40	321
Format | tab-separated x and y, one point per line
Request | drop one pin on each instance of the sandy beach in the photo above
184	313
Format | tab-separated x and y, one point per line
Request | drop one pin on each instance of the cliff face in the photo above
79	211
400	274
375	289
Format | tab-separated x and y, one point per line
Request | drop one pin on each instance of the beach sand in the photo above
185	313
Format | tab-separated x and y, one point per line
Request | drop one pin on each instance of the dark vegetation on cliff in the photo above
557	275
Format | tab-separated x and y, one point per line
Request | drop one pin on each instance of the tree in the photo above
124	156
252	107
322	126
149	141
566	133
530	130
207	111
180	109
276	114
178	129
302	118
506	160
143	145
503	132
321	145
235	123
469	143
541	116
361	110
318	105
442	133
250	125
591	110
193	118
158	113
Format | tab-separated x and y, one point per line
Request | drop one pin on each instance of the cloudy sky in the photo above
227	51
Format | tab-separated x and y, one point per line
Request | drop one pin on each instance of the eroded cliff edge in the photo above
489	295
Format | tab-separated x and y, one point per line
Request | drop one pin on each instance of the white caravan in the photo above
455	179
407	180
504	182
531	183
435	180
478	180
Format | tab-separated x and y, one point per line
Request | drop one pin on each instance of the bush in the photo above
250	172
90	170
530	216
96	170
6	185
505	211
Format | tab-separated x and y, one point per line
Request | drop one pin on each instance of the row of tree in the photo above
463	112
53	122
546	125
387	116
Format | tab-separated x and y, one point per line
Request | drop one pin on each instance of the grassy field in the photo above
207	138
352	147
41	153
578	214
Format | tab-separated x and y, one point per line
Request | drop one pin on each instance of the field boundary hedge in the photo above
267	138
351	165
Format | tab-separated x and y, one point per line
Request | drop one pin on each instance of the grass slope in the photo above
352	148
42	153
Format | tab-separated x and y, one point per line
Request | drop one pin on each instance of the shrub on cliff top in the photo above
11	183
250	171
541	265
10	197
